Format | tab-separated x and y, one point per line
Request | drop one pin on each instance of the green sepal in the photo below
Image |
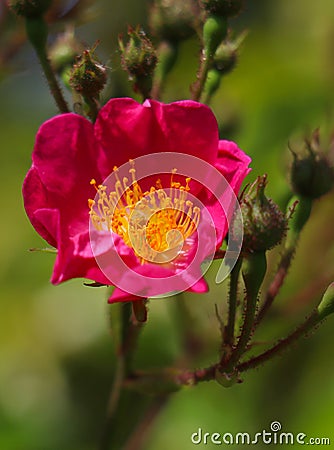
326	306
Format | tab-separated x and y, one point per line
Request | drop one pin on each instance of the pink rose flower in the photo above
70	153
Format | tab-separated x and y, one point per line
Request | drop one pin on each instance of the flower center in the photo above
154	223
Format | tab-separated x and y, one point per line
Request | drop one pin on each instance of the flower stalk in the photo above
37	32
232	304
214	32
254	268
129	333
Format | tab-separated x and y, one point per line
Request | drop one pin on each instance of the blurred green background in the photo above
56	353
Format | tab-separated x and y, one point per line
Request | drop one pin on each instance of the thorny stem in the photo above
202	76
37	33
93	107
194	377
209	373
302	330
232	304
52	81
251	301
254	267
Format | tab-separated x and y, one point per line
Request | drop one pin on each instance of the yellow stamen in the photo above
151	222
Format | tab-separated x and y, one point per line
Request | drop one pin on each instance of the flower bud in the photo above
224	8
264	223
212	82
173	20
312	176
29	8
88	75
214	31
138	55
224	61
139	59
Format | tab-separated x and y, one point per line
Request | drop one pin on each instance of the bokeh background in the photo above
56	353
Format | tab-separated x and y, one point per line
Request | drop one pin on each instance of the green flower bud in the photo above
326	306
173	20
224	61
212	82
224	8
139	59
214	32
29	8
264	224
88	76
138	55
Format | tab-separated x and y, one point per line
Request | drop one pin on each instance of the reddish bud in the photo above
88	76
